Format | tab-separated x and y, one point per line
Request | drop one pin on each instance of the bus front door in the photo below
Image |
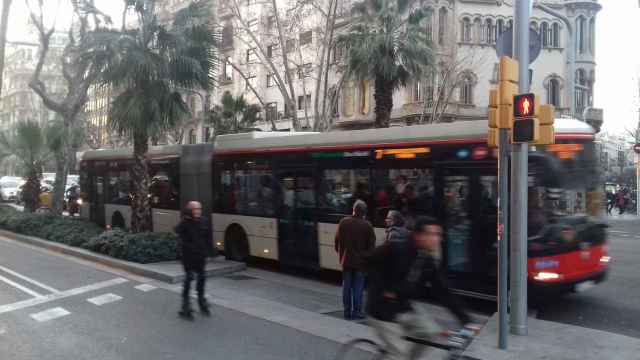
297	235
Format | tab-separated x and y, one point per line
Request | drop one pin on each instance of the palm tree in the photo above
233	115
386	42
148	65
27	145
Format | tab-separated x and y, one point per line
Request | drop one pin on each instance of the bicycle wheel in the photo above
361	349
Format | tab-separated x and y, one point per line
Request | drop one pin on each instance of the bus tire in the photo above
236	243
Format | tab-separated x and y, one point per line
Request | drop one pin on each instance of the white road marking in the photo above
104	299
61	295
50	314
28	279
20	287
618	231
145	287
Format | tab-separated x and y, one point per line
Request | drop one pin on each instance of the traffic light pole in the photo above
503	238
519	182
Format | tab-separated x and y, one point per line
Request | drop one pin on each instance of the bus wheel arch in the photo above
117	220
236	243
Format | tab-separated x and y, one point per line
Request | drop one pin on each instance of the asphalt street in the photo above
615	304
52	307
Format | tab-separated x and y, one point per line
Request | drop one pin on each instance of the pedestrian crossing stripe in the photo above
50	314
104	299
145	287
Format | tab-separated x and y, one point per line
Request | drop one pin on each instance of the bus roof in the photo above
456	132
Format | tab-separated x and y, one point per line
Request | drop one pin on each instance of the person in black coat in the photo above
194	232
401	272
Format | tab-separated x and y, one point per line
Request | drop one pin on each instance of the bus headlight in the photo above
546	276
79	201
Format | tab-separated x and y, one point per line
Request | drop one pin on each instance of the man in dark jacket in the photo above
194	232
400	272
355	238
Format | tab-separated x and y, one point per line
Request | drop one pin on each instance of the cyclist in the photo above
401	272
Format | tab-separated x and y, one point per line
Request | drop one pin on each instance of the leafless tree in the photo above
78	71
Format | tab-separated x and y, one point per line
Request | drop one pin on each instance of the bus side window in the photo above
339	190
165	185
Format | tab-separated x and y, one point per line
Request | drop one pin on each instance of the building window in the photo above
442	25
489	32
555	35
304	102
253	25
271	22
306	37
251	81
290	45
337	53
271	112
271	81
228	70
192	136
429	25
477	28
581	90
271	49
553	92
252	56
466	89
305	70
417	91
227	36
499	27
545	34
466	30
348	99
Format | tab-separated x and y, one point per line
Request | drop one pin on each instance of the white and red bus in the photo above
280	196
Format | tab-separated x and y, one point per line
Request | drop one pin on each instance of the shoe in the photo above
204	307
186	314
359	316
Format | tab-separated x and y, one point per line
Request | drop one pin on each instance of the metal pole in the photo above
519	182
503	237
637	184
571	54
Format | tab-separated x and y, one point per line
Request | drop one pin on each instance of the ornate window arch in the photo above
467	84
428	24
554	84
489	31
477	29
544	34
581	34
555	35
465	30
442	25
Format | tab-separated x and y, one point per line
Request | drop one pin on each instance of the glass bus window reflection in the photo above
164	189
119	188
340	188
410	191
457	222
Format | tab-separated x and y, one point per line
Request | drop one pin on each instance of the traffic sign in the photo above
524	105
504	44
636	148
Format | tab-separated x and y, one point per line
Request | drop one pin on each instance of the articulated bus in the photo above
280	196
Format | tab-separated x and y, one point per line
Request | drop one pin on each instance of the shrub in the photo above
142	248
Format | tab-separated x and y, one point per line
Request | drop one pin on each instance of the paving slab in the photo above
551	340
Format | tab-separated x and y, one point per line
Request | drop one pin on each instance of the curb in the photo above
134	268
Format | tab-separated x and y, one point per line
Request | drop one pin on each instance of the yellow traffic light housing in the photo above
547	114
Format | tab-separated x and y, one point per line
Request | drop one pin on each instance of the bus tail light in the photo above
546	276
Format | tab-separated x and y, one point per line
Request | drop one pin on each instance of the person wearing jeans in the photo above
354	240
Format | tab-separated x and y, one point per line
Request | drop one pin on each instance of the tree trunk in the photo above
4	23
384	102
31	191
139	172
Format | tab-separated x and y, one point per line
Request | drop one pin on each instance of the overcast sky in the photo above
617	52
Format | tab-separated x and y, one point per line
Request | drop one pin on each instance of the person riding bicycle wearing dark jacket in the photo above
401	272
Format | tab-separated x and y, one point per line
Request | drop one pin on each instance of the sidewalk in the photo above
550	340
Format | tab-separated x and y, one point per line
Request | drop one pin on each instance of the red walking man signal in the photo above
524	106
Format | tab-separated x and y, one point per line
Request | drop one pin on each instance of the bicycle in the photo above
455	343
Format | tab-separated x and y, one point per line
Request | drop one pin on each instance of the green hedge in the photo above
142	248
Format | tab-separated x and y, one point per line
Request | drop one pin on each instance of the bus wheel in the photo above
236	244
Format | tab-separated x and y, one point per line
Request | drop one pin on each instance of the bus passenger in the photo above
396	231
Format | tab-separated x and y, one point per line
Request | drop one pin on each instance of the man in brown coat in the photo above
355	238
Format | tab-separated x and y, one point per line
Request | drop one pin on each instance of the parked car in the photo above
9	190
